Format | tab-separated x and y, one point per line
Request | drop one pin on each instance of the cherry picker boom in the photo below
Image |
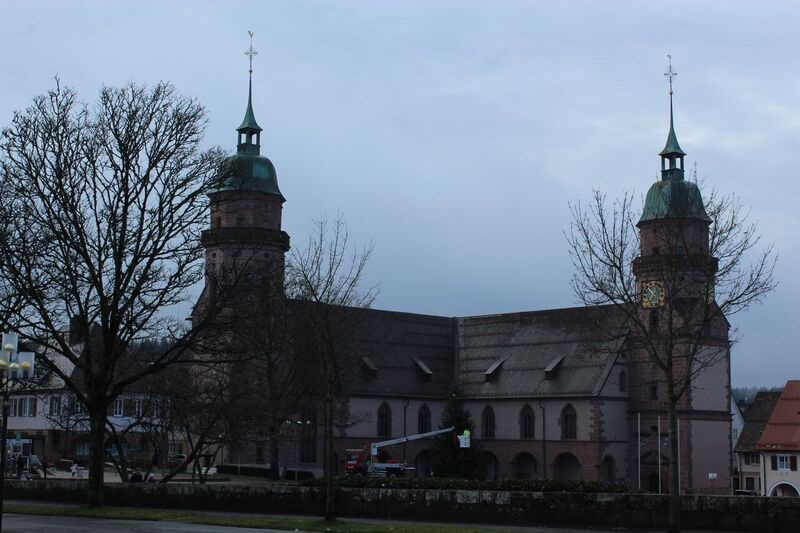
365	461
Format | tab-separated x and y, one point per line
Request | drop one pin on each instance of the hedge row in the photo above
260	471
532	485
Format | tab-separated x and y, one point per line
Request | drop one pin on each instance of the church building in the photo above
557	393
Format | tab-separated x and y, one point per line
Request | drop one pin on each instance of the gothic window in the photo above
569	423
424	419
526	423
384	420
487	425
623	381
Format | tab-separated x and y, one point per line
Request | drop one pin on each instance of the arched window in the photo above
526	423
424	419
569	430
384	420
623	381
487	423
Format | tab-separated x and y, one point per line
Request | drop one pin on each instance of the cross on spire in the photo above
669	73
250	52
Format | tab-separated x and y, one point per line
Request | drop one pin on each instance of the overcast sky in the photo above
454	135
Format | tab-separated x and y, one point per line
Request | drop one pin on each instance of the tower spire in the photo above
672	154
249	130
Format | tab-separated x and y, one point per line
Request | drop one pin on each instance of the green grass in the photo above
284	523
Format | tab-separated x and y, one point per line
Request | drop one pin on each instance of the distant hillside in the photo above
745	395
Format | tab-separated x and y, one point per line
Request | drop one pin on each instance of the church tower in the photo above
680	340
674	266
245	244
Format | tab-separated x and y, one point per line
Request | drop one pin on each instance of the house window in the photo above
750	483
22	407
55	405
424	419
623	381
753	459
137	408
569	423
384	420
487	423
785	463
526	423
119	407
735	433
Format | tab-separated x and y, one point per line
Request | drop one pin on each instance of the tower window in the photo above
653	321
623	381
653	391
218	222
656	250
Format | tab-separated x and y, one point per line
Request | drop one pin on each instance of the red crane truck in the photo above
364	461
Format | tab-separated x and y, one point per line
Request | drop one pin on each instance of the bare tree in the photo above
675	276
106	207
278	370
326	277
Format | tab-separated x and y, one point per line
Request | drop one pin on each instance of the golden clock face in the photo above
653	294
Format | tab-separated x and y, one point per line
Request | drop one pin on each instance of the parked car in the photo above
175	461
744	492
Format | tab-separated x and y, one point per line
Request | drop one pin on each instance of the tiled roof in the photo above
398	354
782	431
558	352
755	418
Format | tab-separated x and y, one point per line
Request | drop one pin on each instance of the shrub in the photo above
528	485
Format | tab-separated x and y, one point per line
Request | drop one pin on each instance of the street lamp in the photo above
11	362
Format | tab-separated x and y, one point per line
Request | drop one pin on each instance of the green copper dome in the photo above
246	172
673	199
672	196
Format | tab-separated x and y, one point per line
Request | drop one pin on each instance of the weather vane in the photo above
670	73
250	52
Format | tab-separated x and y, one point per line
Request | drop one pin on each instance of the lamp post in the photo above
11	363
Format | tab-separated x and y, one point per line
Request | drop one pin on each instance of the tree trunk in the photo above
97	433
674	470
330	467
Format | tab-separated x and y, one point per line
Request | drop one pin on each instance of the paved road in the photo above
16	523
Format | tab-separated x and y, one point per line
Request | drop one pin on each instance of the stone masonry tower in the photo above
674	281
245	246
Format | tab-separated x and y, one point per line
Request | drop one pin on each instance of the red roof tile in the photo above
782	431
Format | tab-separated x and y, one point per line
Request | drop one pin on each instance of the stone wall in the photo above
730	513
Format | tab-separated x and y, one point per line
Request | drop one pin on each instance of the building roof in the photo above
398	354
673	198
755	418
552	353
782	432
